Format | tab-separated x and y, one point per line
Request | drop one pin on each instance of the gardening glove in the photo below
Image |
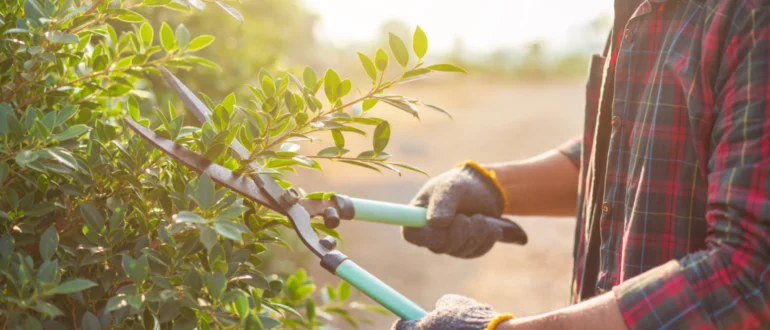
454	312
458	201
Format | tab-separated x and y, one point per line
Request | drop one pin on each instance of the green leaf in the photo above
131	17
331	80
368	104
167	37
242	304
146	32
409	167
438	109
141	270
90	322
419	43
47	273
232	11
208	237
6	245
62	38
65	114
116	302
343	290
361	164
415	73
182	36
204	193
252	322
446	68
228	229
25	157
200	42
189	217
46	308
49	242
34	11
72	287
309	78
344	88
268	86
368	66
72	132
156	2
94	218
381	136
398	49
339	139
381	60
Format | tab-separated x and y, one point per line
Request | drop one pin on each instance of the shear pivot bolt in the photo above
290	196
331	218
328	242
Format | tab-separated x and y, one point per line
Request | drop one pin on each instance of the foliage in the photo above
272	33
99	230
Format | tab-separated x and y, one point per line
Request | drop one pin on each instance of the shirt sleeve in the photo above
572	149
728	284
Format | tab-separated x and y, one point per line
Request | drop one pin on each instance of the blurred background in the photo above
523	95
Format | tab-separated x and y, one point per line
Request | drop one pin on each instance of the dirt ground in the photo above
493	121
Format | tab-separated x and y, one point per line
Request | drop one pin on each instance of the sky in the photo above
482	24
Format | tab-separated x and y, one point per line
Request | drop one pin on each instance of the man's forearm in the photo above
543	185
599	313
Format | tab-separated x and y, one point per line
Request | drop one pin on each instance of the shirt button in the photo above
616	123
606	208
628	35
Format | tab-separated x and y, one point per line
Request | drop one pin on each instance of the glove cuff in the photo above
498	320
492	178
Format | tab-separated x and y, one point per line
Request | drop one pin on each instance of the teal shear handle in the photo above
413	216
379	291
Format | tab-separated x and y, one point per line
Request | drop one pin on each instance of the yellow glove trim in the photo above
498	320
493	176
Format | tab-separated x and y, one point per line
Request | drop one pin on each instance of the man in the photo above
672	177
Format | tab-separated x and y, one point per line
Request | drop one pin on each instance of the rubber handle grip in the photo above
379	291
414	216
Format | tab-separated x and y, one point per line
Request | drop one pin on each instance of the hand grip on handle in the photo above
379	291
413	216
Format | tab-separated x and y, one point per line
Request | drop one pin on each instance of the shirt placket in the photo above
607	149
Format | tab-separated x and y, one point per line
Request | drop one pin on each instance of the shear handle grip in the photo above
413	216
379	291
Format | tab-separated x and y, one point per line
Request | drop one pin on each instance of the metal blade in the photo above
295	212
243	185
198	108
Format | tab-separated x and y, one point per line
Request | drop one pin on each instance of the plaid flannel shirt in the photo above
674	206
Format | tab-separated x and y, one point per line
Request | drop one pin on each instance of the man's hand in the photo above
545	185
452	312
449	197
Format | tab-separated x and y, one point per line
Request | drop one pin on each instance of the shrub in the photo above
100	231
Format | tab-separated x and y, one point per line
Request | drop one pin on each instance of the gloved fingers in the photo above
448	301
456	235
442	206
405	325
425	237
475	236
494	233
421	199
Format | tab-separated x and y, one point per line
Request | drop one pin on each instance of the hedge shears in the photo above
263	189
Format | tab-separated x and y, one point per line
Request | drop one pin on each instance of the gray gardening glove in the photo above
454	312
457	201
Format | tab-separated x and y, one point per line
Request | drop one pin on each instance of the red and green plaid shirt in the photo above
674	207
